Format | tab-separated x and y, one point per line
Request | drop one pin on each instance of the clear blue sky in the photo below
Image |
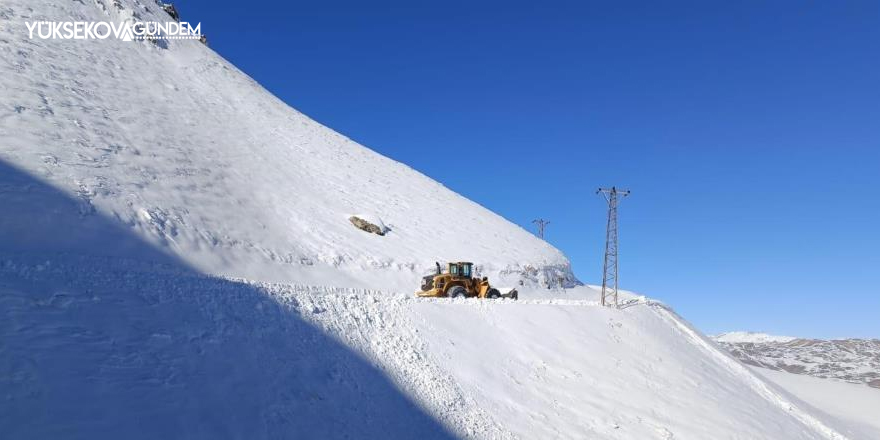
749	132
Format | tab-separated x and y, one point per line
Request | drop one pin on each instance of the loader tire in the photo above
456	292
493	294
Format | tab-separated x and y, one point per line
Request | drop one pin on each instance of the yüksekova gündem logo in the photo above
102	30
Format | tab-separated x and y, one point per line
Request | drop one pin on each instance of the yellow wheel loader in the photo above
458	281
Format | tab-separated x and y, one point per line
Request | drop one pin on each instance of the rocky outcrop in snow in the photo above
374	227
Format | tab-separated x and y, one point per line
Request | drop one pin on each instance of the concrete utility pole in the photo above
541	224
609	273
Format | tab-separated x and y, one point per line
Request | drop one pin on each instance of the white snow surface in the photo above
176	262
572	369
108	348
200	160
854	406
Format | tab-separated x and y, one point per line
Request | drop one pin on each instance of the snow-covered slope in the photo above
132	174
102	348
187	151
571	369
854	406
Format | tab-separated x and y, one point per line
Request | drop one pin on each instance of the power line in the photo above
609	271
541	225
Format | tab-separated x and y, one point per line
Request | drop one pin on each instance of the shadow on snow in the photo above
102	335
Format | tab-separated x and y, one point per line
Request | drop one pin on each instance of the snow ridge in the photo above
778	397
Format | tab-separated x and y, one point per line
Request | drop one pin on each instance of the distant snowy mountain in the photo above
178	259
750	337
852	360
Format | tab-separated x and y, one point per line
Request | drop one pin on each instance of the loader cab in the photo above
461	269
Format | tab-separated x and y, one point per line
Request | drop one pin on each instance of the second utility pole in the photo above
541	224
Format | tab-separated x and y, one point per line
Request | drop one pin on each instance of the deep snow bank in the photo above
572	369
103	336
853	406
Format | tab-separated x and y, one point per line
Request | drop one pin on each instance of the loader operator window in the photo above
453	269
466	270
